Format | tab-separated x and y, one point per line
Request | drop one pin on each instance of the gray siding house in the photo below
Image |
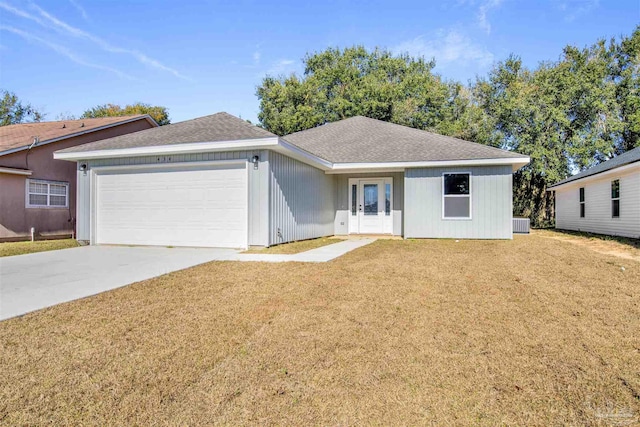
604	199
218	181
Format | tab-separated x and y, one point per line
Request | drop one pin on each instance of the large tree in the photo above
13	111
567	115
342	83
158	113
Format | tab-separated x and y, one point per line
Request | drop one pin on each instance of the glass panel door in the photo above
370	199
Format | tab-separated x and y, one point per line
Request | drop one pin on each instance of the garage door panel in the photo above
190	207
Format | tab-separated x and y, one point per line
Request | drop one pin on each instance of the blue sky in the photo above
201	57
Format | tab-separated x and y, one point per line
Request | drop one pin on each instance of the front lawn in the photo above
534	331
20	248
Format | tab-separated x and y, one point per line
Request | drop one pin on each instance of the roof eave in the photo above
73	135
186	148
515	162
592	177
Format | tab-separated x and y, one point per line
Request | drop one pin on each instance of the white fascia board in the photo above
304	156
12	171
73	135
517	163
194	147
602	175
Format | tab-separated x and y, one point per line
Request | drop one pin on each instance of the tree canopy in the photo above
567	114
13	111
158	113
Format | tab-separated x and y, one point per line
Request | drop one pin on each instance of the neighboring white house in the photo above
604	199
218	181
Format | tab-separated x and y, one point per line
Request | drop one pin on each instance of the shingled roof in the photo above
629	157
364	140
15	137
216	127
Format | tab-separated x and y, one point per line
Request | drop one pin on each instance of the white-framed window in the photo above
615	198
456	195
582	202
47	194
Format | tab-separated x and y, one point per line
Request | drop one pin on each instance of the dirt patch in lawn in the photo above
615	246
295	247
21	248
534	331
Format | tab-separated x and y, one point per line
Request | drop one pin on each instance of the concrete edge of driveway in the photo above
40	280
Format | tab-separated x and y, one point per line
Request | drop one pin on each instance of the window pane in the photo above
58	189
57	200
38	187
354	200
387	196
581	210
582	194
456	183
457	207
37	199
615	189
615	208
370	199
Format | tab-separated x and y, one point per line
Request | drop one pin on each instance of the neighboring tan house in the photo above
604	199
219	181
37	191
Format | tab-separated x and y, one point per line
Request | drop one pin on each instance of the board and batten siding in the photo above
301	200
597	195
343	209
258	187
491	204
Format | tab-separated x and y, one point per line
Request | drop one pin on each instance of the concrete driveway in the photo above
34	281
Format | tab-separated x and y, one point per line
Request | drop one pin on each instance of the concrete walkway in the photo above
321	254
35	281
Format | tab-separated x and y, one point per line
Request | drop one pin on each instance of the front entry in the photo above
371	206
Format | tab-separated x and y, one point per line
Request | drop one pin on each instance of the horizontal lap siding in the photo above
598	206
258	187
301	201
491	204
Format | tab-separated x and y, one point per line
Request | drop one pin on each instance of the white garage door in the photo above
184	206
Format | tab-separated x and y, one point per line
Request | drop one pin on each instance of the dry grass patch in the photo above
609	245
295	247
21	248
533	331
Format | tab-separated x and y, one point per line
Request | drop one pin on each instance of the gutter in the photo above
60	138
283	147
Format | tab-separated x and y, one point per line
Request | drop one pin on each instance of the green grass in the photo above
295	247
21	248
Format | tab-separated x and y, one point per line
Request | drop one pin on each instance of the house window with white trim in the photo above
582	203
615	198
47	194
456	195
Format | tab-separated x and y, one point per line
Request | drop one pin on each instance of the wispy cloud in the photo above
573	9
49	21
283	66
256	57
483	10
80	9
447	47
63	51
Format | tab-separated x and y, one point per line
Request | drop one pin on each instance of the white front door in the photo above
371	206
